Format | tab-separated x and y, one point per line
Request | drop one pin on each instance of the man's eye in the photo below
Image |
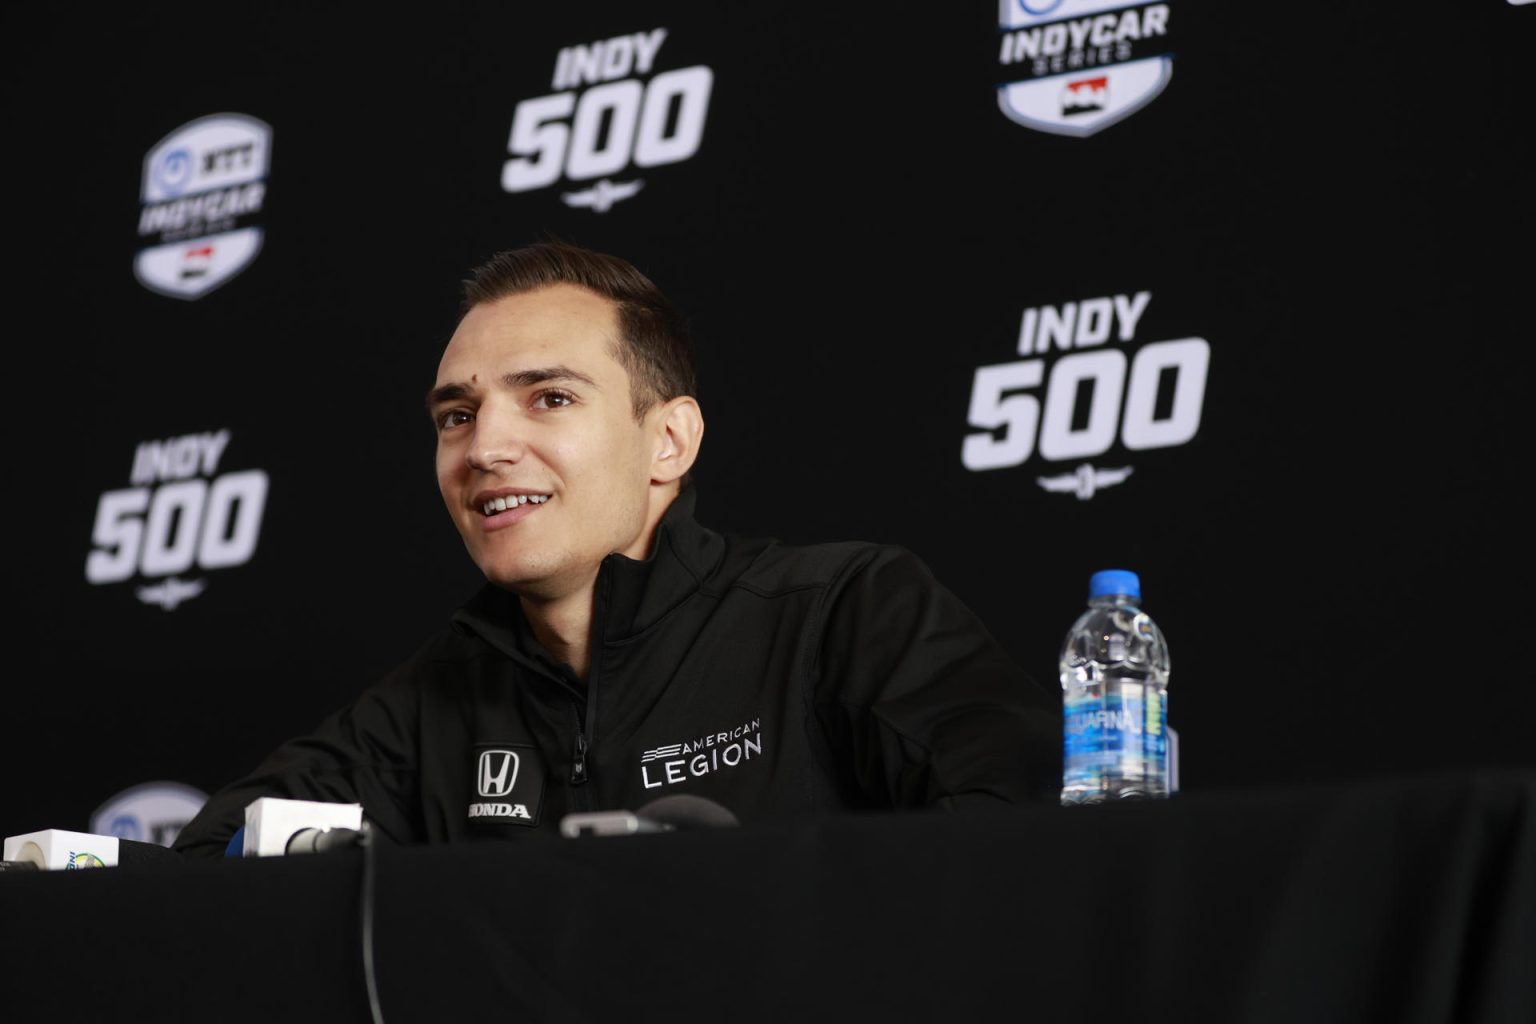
452	418
553	399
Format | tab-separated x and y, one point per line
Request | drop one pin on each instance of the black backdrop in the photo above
1335	199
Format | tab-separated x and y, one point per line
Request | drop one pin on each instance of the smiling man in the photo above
620	651
545	458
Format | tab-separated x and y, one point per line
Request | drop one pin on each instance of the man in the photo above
621	652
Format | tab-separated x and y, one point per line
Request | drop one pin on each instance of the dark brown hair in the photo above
654	347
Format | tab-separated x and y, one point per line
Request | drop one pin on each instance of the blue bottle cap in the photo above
1114	581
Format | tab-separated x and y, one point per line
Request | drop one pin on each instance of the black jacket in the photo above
772	679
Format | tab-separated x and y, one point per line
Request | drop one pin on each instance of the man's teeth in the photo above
512	501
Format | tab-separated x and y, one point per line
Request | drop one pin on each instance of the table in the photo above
1400	899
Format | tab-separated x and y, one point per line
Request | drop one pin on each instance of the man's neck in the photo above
563	625
562	622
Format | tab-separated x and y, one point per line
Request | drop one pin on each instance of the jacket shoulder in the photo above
771	567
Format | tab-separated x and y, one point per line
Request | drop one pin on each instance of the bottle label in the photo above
1120	733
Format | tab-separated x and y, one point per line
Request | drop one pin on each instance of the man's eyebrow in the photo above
515	379
545	374
446	393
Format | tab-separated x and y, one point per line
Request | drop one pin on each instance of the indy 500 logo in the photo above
622	120
1084	387
179	514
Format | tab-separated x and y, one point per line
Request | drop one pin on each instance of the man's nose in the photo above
498	439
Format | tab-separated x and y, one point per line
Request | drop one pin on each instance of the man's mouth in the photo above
505	502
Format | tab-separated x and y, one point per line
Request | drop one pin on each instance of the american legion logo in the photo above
1074	67
204	185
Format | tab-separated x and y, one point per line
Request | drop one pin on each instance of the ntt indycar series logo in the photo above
1086	387
1073	67
180	514
153	812
611	114
204	185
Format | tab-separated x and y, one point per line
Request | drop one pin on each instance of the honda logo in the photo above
498	772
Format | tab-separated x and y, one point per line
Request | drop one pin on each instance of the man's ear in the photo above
679	431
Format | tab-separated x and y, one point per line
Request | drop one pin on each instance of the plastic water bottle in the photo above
1114	681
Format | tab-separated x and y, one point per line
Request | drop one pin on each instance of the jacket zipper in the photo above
585	731
579	760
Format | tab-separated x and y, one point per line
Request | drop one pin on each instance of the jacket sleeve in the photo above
921	705
364	753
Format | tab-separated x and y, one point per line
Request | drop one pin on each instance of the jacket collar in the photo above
632	594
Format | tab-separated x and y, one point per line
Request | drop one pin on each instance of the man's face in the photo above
539	458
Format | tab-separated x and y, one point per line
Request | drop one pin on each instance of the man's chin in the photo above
537	582
511	580
506	565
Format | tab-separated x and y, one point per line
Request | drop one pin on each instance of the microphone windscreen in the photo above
685	811
316	840
133	853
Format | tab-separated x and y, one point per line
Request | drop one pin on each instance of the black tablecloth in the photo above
1401	900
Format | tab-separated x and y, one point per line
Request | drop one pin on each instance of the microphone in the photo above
133	853
55	849
681	812
319	840
274	826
